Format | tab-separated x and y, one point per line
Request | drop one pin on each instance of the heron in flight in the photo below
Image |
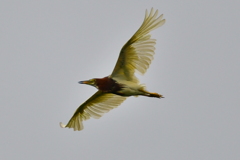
135	56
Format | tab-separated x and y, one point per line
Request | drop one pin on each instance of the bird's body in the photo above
136	55
122	87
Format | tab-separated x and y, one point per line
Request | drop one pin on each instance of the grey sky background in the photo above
46	47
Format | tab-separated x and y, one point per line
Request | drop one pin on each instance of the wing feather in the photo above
95	107
137	53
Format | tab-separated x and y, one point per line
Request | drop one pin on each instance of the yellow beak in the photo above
89	82
84	82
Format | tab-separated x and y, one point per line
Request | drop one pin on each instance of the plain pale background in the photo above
46	47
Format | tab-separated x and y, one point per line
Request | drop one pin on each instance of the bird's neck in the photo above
107	84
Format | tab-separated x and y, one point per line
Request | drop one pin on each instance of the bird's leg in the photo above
149	94
155	95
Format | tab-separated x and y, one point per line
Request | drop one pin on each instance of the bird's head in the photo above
91	82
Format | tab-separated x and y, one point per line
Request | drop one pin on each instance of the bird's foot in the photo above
156	95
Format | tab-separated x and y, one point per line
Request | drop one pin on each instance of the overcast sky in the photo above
46	47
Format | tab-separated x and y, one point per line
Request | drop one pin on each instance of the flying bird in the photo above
135	56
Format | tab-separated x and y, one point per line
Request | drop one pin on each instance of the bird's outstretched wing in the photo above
137	53
95	107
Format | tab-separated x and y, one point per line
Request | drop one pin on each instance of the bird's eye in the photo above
92	80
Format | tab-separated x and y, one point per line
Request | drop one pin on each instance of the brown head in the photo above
105	84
